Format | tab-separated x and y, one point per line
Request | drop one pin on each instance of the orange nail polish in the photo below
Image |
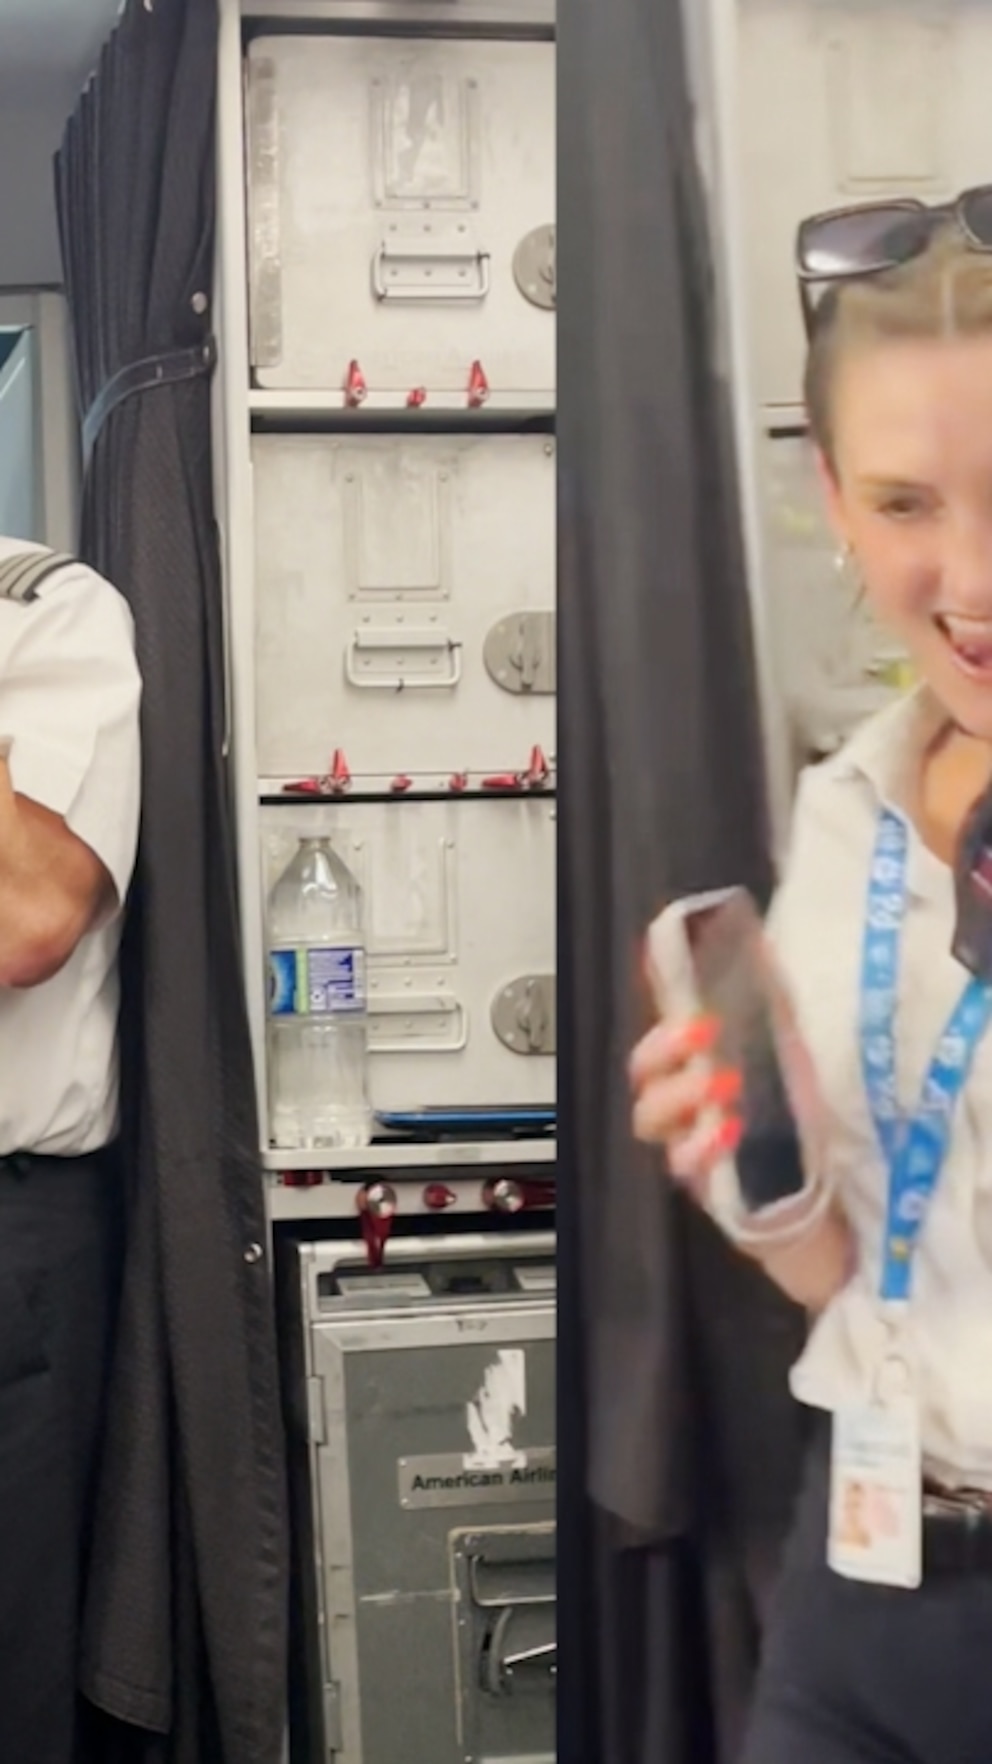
724	1087
728	1137
699	1035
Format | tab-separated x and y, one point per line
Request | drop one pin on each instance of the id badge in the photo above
876	1494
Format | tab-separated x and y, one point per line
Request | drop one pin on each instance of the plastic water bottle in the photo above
318	1013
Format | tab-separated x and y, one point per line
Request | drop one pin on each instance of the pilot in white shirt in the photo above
69	812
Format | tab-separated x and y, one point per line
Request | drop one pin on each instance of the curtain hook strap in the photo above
170	368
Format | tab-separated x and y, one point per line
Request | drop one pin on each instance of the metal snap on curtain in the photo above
187	1597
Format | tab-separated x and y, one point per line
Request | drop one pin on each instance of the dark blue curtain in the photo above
680	1445
186	1610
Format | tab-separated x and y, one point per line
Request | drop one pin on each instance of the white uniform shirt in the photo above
817	924
69	697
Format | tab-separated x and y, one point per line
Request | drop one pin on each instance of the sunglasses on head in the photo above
848	243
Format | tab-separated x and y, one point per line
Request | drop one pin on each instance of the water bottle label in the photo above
316	982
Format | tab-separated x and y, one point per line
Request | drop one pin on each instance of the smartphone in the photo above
708	954
972	945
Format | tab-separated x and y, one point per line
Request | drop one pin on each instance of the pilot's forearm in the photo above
53	889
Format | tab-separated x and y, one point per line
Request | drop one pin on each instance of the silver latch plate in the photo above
535	268
519	653
524	1015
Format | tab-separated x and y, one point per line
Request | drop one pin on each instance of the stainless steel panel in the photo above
392	183
405	589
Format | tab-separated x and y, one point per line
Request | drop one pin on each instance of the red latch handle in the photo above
376	1204
478	386
339	776
438	1197
538	771
355	388
505	1194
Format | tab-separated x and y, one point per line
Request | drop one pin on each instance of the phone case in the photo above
708	954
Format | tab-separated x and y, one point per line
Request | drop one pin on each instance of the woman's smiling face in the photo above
909	487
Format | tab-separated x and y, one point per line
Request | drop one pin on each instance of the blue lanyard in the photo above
914	1148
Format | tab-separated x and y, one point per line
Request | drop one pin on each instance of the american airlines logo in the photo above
493	1411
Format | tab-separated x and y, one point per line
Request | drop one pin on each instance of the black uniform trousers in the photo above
857	1674
60	1231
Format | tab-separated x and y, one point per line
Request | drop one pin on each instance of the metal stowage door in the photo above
405	602
401	218
460	921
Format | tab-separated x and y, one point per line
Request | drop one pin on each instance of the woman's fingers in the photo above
669	1107
693	1158
685	1103
668	1047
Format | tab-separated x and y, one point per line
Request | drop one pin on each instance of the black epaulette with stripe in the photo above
22	575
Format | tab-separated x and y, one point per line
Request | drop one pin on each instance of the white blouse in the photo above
817	926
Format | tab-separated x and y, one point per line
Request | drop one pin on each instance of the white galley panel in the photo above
401	218
459	905
405	602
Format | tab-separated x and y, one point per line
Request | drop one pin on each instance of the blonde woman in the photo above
883	1654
